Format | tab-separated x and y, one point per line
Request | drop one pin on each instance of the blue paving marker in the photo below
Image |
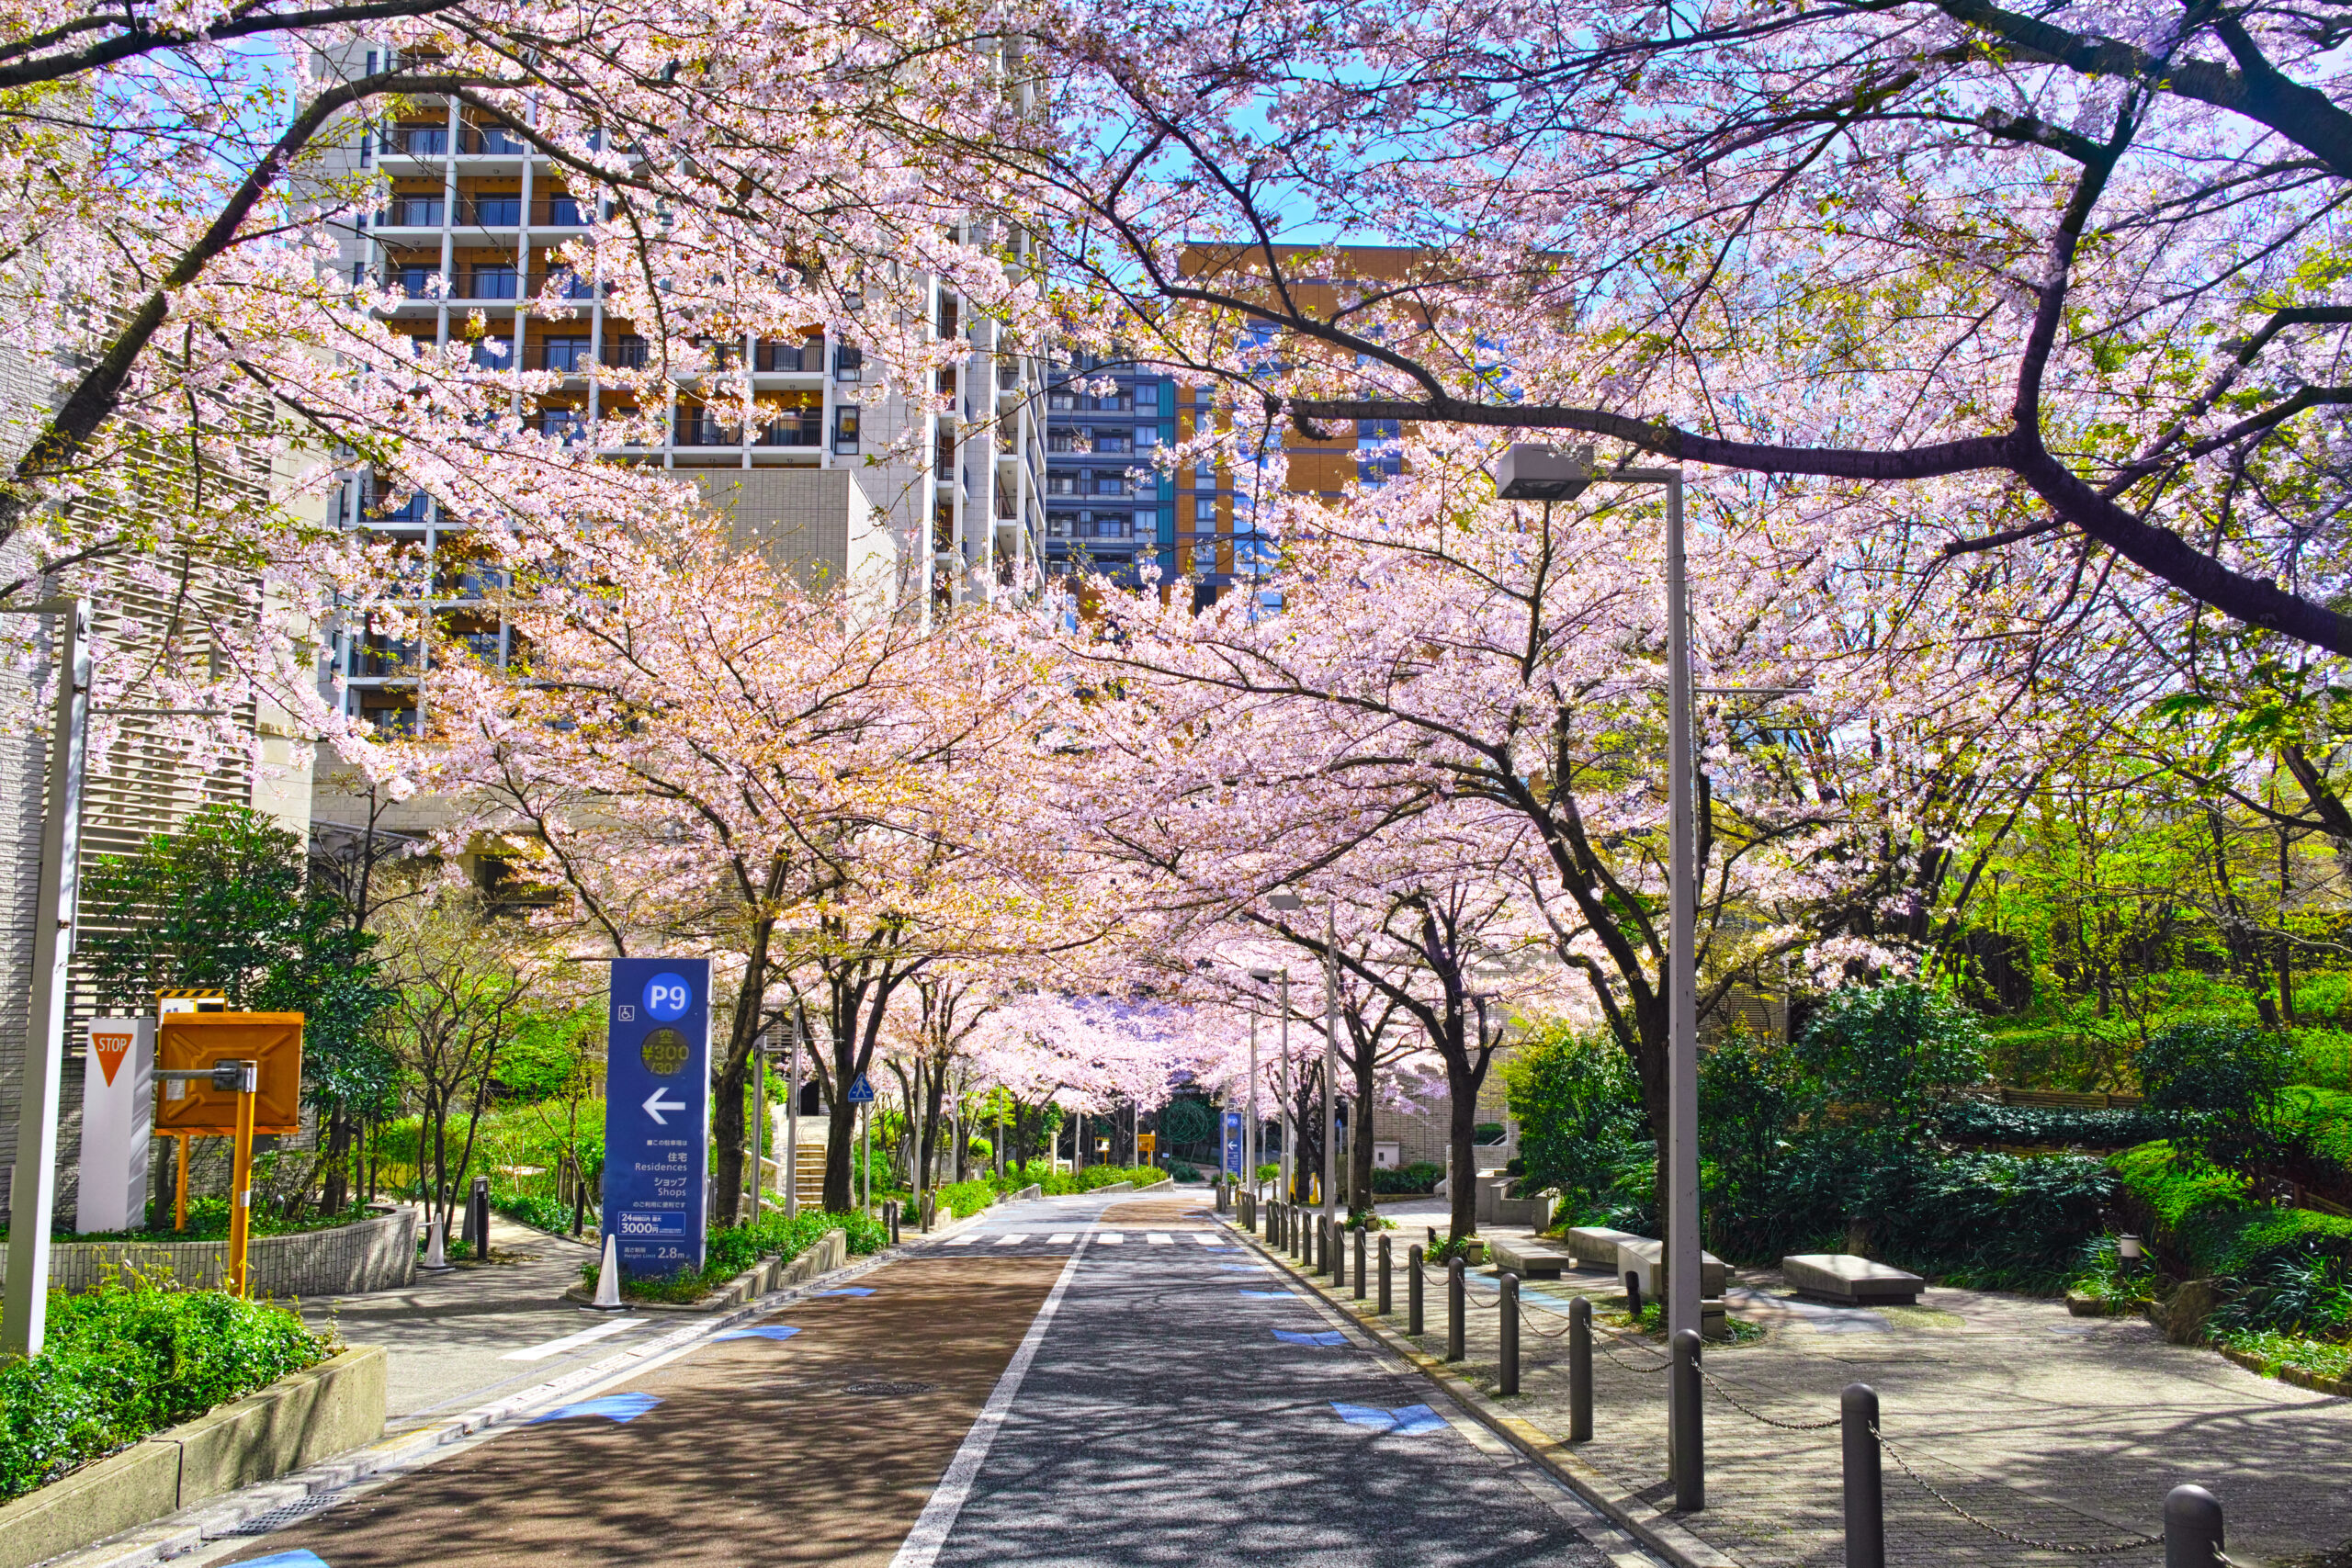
849	1291
286	1560
617	1407
1244	1268
1327	1337
1272	1295
765	1331
1410	1421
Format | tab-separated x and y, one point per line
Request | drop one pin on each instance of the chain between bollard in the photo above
1733	1400
2114	1549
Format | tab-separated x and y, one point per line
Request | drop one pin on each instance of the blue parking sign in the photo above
657	1114
1233	1149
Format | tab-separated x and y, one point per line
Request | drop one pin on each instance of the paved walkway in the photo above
2065	1430
460	1339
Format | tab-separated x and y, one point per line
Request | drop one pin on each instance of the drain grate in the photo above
883	1390
286	1514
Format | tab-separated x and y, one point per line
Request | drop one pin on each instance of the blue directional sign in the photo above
1233	1143
657	1113
861	1092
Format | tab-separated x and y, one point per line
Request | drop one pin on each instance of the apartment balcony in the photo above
801	428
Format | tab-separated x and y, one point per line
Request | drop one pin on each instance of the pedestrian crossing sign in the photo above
861	1092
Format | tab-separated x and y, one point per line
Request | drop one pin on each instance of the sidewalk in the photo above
453	1338
2061	1429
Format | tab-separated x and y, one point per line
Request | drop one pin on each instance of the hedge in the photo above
129	1359
1976	1122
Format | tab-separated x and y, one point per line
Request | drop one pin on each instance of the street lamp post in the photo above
1292	901
1533	471
1290	1140
1249	1133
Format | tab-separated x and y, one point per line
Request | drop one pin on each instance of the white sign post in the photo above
118	1122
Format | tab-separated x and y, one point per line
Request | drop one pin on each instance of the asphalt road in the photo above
1074	1382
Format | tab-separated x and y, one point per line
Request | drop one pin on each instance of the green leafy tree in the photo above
2218	1083
1884	1055
223	905
1579	1111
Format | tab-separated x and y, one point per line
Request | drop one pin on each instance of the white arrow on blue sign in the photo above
861	1092
655	1105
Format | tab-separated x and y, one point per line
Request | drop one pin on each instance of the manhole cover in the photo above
284	1515
884	1390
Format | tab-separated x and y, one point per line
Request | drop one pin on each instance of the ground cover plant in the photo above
730	1250
132	1358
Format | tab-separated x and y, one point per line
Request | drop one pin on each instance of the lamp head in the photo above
1263	976
1531	471
1286	901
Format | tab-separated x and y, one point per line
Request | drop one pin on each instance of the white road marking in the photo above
1160	1238
1061	1238
964	1241
1014	1239
920	1549
1206	1238
572	1341
1109	1239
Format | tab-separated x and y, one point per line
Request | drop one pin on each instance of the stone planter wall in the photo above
347	1260
301	1419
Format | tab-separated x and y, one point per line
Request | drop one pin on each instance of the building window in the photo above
1062	402
849	362
416	212
494	353
1147	394
1061	484
1146	437
498	211
1377	458
492	282
569	355
1108	441
1204	511
845	429
1058	525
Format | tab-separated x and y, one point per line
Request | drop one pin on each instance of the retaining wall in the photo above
347	1260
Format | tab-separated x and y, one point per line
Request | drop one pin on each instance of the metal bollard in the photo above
1689	1453
477	1216
1508	1380
2192	1529
1634	1292
1388	1302
1335	1260
890	1218
1413	1292
1457	1296
1865	1493
1360	1264
1580	1370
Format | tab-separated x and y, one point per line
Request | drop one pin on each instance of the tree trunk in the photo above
729	1124
335	1194
1360	1146
1462	1083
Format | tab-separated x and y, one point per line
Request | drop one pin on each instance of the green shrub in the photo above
963	1198
2217	1084
729	1252
1578	1109
1421	1175
1884	1053
1180	1171
542	1211
132	1358
1976	1121
2175	1185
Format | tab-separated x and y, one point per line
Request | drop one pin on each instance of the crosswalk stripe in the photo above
1061	1238
1160	1238
964	1241
1013	1240
1206	1238
1109	1239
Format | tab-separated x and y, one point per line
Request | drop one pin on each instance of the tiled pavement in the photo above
2061	1429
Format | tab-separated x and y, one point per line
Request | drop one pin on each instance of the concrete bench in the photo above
1597	1243
1847	1281
1531	1260
1648	1258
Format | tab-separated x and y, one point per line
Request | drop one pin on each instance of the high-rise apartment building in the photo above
1107	508
471	216
1221	547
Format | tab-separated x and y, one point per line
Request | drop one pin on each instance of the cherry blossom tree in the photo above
2058	285
175	182
700	753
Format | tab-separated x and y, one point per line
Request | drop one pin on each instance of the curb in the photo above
181	1533
2340	1387
1654	1528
